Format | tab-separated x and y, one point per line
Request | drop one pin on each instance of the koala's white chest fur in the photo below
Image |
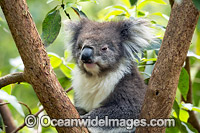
91	91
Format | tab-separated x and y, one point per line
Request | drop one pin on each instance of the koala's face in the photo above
97	48
101	47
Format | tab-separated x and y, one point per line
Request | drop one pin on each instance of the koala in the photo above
105	80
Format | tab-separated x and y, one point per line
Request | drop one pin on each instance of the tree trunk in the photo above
164	80
7	118
38	71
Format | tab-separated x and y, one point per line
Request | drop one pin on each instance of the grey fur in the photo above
122	39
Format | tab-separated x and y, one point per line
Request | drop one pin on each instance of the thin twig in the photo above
69	89
1	104
19	128
67	14
24	124
11	78
26	107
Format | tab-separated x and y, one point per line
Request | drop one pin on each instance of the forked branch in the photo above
11	79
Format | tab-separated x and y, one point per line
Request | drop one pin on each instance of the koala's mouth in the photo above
90	65
91	68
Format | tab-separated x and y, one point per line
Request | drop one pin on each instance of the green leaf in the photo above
55	60
141	13
183	84
126	3
145	75
161	15
192	54
66	54
12	100
69	4
65	82
187	128
187	106
66	70
198	39
51	11
163	28
79	7
49	1
132	2
152	59
121	7
196	109
80	13
183	115
196	89
93	1
8	89
113	14
198	25
184	127
149	68
51	27
71	65
85	0
113	11
190	107
172	130
197	4
158	1
176	107
145	2
30	98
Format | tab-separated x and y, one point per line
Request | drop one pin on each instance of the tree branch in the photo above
29	110
69	89
172	54
24	124
38	71
11	78
192	119
7	118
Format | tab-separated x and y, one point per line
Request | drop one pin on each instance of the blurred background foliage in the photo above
157	11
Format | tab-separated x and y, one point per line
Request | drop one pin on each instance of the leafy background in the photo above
49	16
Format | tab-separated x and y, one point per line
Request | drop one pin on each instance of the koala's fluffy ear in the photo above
136	35
73	27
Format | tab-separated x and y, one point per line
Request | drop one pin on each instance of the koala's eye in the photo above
79	46
104	48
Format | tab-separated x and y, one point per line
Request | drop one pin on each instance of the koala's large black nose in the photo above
87	55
